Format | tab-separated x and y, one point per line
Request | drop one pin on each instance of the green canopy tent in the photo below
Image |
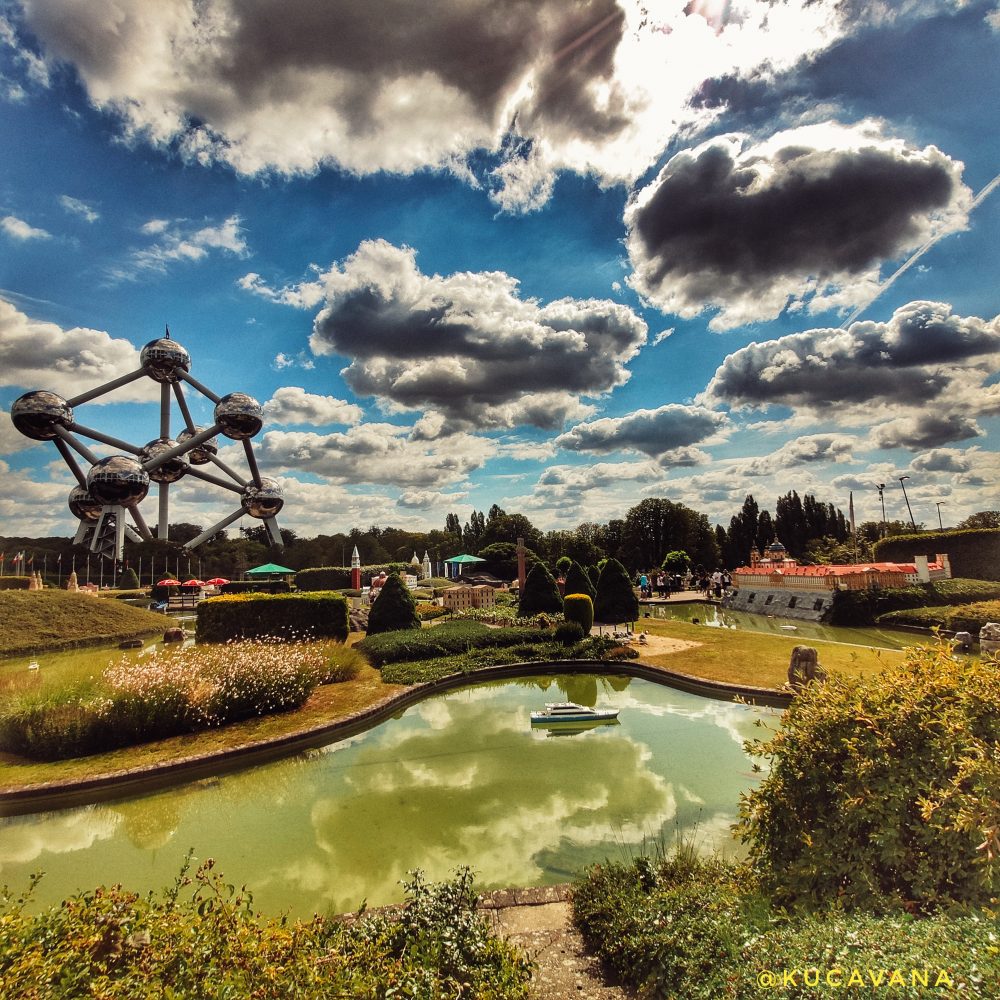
457	564
269	571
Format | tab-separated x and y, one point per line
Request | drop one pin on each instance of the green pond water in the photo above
461	778
716	617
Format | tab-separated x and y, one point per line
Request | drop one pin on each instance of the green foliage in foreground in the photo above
209	944
423	670
884	791
320	614
960	618
704	931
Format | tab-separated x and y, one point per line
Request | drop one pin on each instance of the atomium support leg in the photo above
215	529
274	531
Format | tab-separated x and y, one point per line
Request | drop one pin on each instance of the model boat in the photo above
570	711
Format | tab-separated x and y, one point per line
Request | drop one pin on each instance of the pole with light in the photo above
940	522
881	495
913	524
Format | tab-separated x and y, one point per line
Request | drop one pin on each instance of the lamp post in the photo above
913	524
940	522
881	495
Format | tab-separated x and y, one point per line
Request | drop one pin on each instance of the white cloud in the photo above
40	355
293	405
181	241
598	88
79	208
18	229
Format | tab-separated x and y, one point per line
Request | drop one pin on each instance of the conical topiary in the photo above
616	601
577	582
128	580
540	594
393	609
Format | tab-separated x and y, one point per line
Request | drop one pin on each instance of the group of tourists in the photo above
659	583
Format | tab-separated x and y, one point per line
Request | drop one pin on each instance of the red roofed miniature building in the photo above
775	583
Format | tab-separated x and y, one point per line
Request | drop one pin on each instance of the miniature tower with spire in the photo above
355	570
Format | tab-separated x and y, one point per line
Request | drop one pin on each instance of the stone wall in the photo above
784	602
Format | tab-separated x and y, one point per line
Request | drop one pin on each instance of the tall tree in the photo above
656	526
540	594
616	601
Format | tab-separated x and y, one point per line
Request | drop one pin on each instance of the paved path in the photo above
540	922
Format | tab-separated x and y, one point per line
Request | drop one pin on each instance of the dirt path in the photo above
540	922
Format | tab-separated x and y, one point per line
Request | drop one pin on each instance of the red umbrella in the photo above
168	583
193	583
217	581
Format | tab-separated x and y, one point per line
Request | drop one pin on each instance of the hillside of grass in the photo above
36	621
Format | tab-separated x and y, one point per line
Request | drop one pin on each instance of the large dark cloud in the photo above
926	430
467	345
668	430
812	212
911	361
382	84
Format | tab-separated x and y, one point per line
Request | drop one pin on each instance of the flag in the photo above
852	511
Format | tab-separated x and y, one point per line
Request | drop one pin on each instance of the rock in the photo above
131	644
174	635
804	667
989	638
962	642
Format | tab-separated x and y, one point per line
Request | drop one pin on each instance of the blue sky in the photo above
558	256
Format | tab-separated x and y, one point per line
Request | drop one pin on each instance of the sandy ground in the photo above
657	645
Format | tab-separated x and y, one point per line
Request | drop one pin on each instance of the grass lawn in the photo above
34	621
752	658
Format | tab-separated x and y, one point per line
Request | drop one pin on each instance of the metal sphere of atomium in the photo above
204	453
170	471
37	414
83	505
164	360
263	501
240	416
118	480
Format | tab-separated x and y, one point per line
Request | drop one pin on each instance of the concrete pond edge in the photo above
47	796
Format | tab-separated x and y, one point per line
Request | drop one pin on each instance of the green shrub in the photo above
960	618
568	633
540	594
974	552
881	789
863	607
677	561
616	601
250	587
15	582
578	582
452	637
579	608
563	564
428	612
703	930
339	577
128	580
209	943
394	608
291	616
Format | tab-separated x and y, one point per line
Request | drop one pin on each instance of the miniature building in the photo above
776	584
463	598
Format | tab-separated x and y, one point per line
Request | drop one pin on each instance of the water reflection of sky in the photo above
458	779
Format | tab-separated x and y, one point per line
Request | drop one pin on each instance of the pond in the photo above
461	778
716	617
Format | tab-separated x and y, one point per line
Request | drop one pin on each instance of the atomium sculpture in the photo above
114	487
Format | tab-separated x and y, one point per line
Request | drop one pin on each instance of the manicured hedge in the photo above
973	552
452	637
256	587
579	608
292	616
862	607
960	618
15	582
339	577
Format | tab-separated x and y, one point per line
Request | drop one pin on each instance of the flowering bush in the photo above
176	691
